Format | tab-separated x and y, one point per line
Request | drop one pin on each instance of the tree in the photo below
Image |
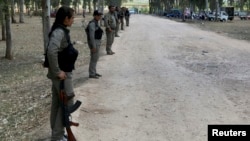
27	5
242	4
8	53
46	21
114	2
76	5
2	17
55	3
84	4
66	2
89	5
213	4
13	20
94	4
21	19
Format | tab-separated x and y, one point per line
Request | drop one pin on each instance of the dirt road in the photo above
166	82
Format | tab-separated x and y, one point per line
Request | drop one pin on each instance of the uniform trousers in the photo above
110	40
127	20
56	117
94	58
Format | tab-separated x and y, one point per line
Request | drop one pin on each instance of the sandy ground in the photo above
166	83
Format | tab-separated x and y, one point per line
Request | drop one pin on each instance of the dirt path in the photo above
166	83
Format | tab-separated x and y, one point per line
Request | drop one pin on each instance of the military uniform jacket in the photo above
57	43
122	14
110	20
92	41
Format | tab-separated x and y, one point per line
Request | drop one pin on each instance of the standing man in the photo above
127	16
117	17
110	24
122	13
94	35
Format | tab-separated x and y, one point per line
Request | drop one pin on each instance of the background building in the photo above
139	6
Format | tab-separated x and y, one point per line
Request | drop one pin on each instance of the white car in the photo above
223	16
132	11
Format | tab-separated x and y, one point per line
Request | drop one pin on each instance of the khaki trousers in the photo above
110	40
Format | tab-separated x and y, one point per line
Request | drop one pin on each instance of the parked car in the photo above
174	13
223	16
132	11
248	16
229	10
210	16
243	15
236	13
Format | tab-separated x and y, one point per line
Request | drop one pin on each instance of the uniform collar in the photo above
63	27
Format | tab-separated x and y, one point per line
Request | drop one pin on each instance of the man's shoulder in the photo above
92	23
107	14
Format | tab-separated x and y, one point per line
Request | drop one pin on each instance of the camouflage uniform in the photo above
122	14
117	17
110	24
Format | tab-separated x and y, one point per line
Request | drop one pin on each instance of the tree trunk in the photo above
84	5
21	17
13	20
216	10
8	53
206	5
94	5
46	21
36	6
100	6
3	24
89	5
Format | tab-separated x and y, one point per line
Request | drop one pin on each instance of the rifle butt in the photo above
74	124
71	136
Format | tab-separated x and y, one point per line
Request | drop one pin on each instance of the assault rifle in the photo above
66	111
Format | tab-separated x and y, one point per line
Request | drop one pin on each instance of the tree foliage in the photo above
157	6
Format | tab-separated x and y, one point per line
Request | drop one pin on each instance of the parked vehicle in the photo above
230	12
248	16
243	15
223	16
174	13
236	13
210	16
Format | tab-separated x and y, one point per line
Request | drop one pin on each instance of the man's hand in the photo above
62	75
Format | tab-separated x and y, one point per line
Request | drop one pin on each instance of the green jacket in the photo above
110	20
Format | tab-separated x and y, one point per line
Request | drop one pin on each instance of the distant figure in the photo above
122	14
83	13
94	35
127	16
110	24
117	17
